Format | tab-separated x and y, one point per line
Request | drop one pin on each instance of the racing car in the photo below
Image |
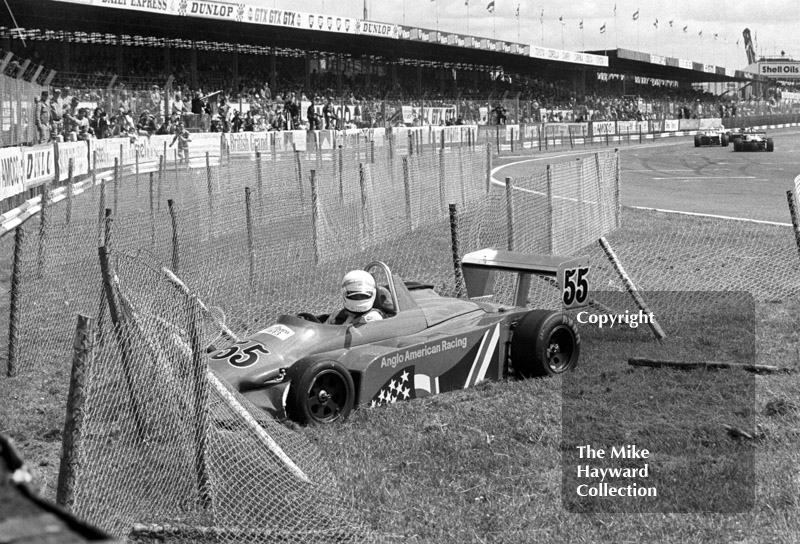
314	373
712	136
753	140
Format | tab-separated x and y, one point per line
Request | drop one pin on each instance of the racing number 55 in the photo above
576	286
241	356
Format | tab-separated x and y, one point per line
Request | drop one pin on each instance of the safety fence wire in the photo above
169	448
699	256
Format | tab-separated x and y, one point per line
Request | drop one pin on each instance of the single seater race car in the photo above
712	136
312	372
753	140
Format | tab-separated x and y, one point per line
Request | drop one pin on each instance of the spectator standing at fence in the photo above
329	114
43	118
146	125
56	115
183	137
178	107
314	119
99	123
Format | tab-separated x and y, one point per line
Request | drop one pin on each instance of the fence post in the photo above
248	216
550	230
13	303
70	171
497	137
122	339
488	168
299	168
442	181
617	205
631	288
259	178
200	383
173	215
136	158
793	212
512	139
210	188
116	183
73	421
102	210
162	166
410	143
407	192
456	249
510	214
341	171
44	223
314	216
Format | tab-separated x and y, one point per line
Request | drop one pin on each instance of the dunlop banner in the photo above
40	166
12	172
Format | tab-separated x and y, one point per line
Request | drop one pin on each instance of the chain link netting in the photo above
262	235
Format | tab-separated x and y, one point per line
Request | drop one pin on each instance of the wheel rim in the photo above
327	396
560	347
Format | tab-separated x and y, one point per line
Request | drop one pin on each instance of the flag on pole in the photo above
686	28
655	24
581	25
615	10
670	22
700	33
603	29
636	15
517	11
716	35
490	7
541	17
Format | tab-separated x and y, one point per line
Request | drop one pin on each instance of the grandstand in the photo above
99	52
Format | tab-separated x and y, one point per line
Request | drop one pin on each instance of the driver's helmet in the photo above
358	291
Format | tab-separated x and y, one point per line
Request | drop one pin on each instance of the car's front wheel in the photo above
544	343
320	392
770	145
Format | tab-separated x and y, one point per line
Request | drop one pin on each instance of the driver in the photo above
358	293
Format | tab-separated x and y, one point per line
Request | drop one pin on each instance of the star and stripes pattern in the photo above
473	368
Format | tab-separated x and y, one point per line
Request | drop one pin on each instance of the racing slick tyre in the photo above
544	343
737	144
723	140
697	140
770	145
320	392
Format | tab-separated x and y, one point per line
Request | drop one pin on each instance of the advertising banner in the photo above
12	172
671	125
40	166
601	128
79	153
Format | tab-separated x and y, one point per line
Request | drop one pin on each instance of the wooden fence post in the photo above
510	213
73	422
407	192
70	179
248	216
259	178
116	183
13	303
793	212
455	246
175	248
488	168
44	224
550	231
200	418
314	216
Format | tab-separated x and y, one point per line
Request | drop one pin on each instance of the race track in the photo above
672	174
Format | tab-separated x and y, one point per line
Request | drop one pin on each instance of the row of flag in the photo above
491	5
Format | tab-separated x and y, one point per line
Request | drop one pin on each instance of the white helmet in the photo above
358	291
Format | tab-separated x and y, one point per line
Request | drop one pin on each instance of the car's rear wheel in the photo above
697	140
544	343
770	145
724	140
737	144
320	392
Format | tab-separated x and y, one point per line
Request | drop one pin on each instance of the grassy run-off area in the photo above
499	463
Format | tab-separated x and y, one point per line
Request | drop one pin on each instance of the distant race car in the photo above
712	136
313	372
753	140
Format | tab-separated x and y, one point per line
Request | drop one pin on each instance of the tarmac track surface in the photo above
672	174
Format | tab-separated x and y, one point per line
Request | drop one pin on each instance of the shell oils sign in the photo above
779	70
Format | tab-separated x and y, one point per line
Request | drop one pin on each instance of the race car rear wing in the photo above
571	274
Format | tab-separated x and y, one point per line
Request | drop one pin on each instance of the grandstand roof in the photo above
239	27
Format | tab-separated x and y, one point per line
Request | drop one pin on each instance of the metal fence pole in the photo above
13	303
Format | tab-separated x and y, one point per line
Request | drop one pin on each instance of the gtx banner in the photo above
40	164
12	172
